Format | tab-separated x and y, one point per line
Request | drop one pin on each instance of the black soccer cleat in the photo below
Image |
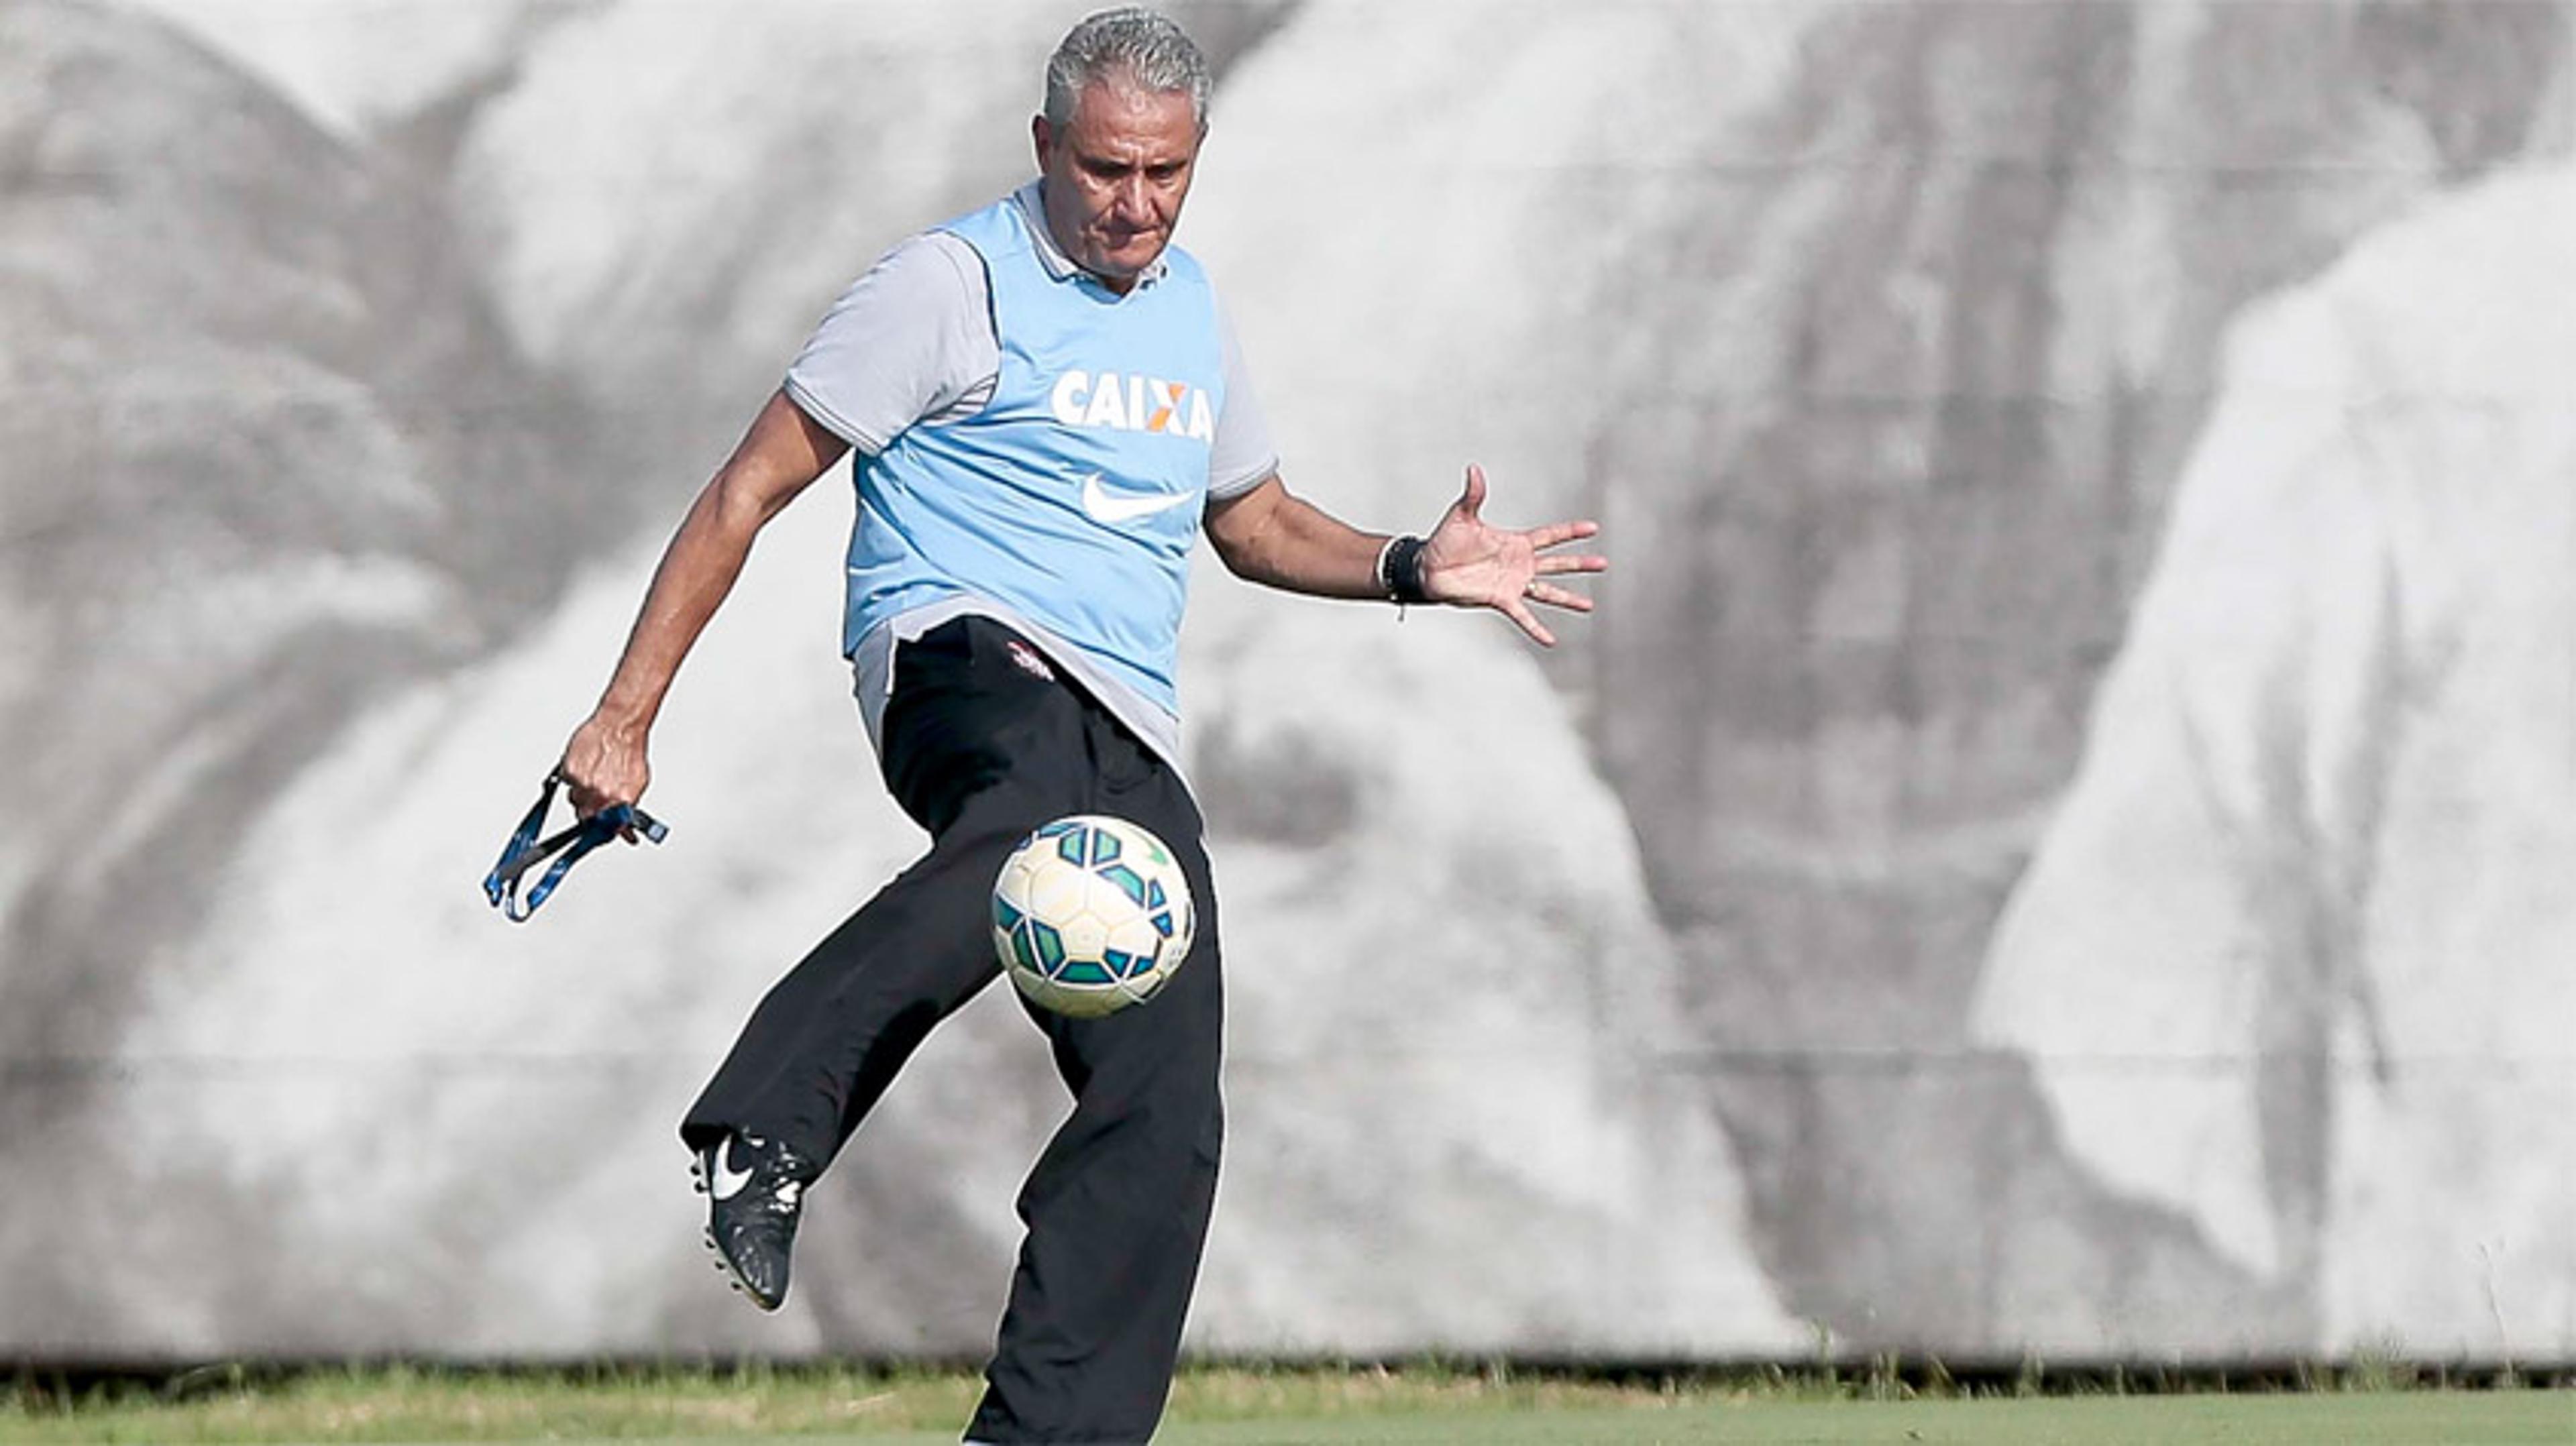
755	1189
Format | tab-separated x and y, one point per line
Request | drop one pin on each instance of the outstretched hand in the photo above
1467	562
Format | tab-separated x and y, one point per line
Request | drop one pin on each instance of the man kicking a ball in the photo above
1049	409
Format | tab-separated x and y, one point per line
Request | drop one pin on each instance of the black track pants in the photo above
980	750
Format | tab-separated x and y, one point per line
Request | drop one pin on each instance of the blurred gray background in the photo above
2057	840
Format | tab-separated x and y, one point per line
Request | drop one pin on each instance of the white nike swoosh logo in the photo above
1106	506
723	1180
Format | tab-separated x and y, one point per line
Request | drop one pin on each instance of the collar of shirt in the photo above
1058	265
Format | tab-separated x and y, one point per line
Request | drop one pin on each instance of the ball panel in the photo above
1084	936
1136	935
1055	890
1046	948
1131	883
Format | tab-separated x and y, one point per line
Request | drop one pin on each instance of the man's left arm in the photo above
1269	535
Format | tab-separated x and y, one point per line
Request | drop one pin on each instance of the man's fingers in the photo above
1519	613
1557	597
588	798
1557	534
591	802
1560	562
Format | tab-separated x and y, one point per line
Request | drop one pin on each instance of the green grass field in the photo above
1236	1407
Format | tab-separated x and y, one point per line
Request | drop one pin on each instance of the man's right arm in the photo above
605	763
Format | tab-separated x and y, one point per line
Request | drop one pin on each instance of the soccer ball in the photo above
1091	914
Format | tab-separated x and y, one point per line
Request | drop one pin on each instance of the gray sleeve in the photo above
1243	454
911	341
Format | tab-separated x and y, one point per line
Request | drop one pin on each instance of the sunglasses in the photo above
526	850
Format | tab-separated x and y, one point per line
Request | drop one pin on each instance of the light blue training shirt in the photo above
1062	492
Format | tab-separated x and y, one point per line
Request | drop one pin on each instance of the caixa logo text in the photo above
1132	404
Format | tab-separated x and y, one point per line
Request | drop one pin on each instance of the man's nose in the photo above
1133	199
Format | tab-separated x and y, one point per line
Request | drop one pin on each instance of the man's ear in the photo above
1042	136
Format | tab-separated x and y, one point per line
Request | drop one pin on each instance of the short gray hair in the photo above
1133	44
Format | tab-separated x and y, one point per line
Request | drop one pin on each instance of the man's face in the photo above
1115	176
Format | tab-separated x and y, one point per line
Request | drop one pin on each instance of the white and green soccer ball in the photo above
1091	914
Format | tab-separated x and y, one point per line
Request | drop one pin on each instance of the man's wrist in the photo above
627	719
1399	570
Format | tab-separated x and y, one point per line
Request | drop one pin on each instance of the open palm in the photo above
1467	562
